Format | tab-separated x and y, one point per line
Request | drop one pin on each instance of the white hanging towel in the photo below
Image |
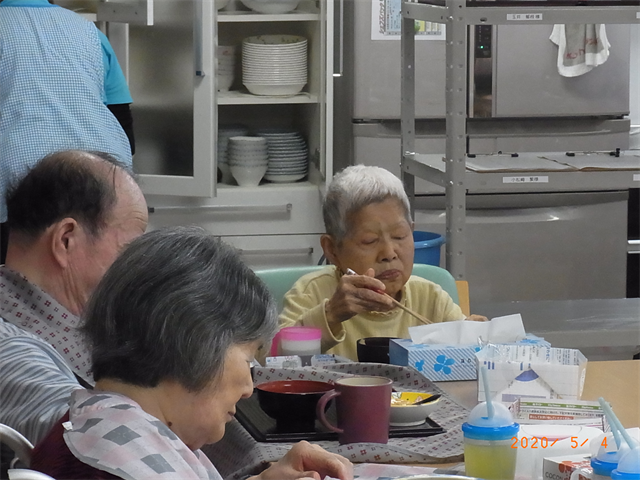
580	47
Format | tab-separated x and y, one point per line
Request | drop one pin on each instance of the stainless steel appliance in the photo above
517	102
532	246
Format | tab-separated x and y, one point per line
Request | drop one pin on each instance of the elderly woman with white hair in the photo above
368	231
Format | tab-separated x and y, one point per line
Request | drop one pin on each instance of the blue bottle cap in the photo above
479	426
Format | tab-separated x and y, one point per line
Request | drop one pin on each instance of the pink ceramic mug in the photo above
363	405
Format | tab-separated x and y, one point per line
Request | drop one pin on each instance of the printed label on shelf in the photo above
636	177
524	16
526	179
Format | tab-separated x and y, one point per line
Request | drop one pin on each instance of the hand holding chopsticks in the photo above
422	318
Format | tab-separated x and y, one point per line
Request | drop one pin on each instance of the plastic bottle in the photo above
629	466
488	440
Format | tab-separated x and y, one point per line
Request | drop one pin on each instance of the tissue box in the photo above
561	468
534	371
442	362
436	362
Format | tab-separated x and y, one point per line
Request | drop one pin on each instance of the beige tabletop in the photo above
618	382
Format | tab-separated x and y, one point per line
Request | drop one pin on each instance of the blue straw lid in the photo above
480	426
628	466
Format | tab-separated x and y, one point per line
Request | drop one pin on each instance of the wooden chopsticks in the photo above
422	318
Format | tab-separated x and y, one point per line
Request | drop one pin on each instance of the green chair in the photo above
280	280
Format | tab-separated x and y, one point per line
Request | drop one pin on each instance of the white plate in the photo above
272	6
274	40
275	90
284	178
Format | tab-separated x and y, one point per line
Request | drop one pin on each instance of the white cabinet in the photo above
177	109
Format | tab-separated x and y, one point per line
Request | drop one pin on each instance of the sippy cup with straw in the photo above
609	451
624	463
628	466
488	436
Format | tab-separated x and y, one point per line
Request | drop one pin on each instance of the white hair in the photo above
354	188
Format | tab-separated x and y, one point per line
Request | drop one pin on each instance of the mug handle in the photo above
322	403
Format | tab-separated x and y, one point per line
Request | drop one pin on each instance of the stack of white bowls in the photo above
226	66
248	159
274	64
225	132
288	155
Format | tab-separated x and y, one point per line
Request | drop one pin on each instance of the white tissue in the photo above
505	329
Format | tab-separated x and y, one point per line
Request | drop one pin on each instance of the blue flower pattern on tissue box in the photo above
436	362
443	364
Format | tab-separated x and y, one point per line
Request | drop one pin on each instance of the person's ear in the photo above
64	239
329	248
413	226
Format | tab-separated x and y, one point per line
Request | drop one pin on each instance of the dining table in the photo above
618	382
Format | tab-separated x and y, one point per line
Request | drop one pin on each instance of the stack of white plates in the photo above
274	64
226	131
288	155
248	159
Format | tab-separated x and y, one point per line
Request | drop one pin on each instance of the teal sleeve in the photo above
115	85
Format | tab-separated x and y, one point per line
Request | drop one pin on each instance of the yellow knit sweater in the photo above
304	305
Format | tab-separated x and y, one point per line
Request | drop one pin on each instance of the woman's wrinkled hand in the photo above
357	294
306	460
477	318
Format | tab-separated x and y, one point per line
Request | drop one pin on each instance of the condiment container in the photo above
297	341
488	443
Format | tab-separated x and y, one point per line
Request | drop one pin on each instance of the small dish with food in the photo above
409	409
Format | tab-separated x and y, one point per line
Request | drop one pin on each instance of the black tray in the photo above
263	428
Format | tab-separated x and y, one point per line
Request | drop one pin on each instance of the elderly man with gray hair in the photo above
369	242
69	218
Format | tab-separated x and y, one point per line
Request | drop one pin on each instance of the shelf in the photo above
560	179
236	97
529	15
299	15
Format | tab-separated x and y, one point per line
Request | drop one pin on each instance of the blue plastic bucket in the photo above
427	247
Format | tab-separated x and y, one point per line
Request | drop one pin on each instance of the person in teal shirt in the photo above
61	88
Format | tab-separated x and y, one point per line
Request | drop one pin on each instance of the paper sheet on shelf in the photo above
599	161
499	330
507	163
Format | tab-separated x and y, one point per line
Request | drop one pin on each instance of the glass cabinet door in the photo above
172	81
171	56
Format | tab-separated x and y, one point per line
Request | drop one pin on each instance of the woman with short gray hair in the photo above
174	326
369	243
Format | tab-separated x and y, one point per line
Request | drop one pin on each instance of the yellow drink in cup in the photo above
492	460
487	443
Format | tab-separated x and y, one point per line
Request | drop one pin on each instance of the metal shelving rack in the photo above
452	174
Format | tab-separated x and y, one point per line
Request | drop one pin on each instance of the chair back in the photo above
16	442
440	276
280	280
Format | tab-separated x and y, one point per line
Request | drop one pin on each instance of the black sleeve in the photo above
122	112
